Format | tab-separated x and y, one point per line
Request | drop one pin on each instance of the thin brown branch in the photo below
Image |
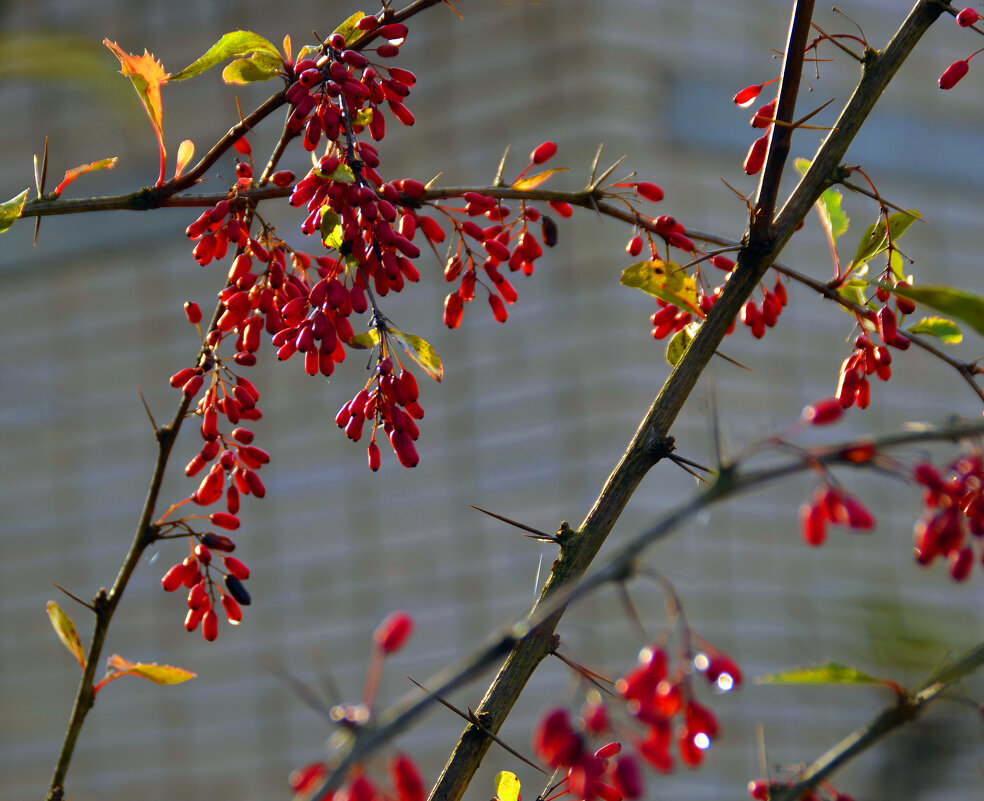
781	136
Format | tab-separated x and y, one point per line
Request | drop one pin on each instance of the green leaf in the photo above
506	786
965	306
11	210
258	67
65	629
421	352
677	345
665	280
831	673
348	29
533	181
828	206
117	666
236	43
331	228
874	239
945	330
364	341
853	290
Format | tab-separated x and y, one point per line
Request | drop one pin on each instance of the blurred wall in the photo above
530	419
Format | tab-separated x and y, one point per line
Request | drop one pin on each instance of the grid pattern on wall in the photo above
529	420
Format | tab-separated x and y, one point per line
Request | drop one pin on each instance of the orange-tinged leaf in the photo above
65	629
533	181
117	666
147	75
185	151
82	169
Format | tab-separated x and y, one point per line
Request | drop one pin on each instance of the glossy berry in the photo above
967	17
952	74
756	155
543	152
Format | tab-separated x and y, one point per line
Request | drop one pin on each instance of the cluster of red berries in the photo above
956	71
604	773
757	316
196	573
407	784
870	359
831	505
954	506
388	638
390	402
476	250
761	119
659	698
656	696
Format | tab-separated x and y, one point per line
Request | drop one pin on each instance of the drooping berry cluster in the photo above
405	779
407	785
604	773
954	508
832	506
870	359
656	695
389	402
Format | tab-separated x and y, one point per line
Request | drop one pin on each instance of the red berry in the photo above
764	116
543	152
747	95
813	523
952	74
393	632
224	520
192	312
498	308
634	247
649	191
822	412
235	567
210	626
756	155
967	17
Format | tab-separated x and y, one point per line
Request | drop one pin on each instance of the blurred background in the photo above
529	421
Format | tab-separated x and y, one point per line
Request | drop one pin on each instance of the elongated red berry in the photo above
756	155
235	567
393	632
952	74
813	523
747	95
192	312
543	152
650	191
822	412
764	116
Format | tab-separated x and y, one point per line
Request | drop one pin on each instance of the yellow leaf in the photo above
185	152
663	279
65	629
421	351
348	29
533	181
159	674
506	786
